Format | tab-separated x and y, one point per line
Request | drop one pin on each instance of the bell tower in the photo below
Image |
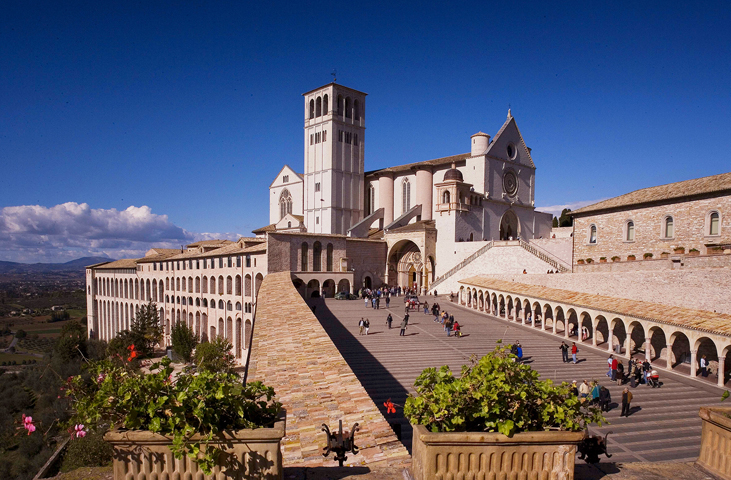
334	146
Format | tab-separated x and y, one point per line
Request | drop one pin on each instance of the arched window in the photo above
630	233
406	195
592	234
312	109
285	203
445	197
714	223
348	112
329	258
229	285
305	261
669	228
324	105
318	107
220	304
220	285
229	306
238	285
356	110
340	105
238	306
317	257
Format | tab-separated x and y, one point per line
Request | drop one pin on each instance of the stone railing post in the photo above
721	371
693	366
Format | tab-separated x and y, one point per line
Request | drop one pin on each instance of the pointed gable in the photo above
286	171
509	135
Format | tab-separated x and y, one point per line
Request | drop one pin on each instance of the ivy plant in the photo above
205	403
496	394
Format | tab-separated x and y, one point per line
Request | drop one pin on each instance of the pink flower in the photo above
101	378
28	424
79	431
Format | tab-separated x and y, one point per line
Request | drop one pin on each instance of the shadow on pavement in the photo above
378	382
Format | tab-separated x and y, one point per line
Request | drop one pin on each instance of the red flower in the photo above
132	353
390	407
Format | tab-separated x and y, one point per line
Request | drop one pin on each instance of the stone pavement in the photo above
664	425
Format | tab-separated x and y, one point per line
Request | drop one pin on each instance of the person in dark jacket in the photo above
564	352
389	319
605	398
404	322
626	400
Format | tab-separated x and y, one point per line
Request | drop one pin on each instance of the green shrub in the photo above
215	356
589	260
89	451
496	394
647	255
184	340
20	334
205	403
615	258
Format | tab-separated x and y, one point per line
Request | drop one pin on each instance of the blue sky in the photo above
125	124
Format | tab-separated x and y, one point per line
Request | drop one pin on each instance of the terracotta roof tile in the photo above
428	163
687	188
124	263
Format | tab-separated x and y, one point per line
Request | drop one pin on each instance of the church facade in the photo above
335	226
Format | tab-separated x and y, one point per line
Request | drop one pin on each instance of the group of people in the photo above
451	326
404	323
638	372
600	395
565	352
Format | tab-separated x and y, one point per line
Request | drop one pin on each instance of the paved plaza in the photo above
664	424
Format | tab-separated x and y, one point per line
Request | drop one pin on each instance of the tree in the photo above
565	220
555	222
184	340
145	331
71	343
20	334
215	356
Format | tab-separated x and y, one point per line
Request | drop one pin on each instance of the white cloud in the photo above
32	233
557	209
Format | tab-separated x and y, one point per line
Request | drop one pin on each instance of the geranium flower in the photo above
79	431
28	424
132	353
390	407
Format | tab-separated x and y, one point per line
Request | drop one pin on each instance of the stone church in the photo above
431	214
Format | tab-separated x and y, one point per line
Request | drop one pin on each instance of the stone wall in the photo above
703	289
690	225
291	352
559	247
367	257
500	259
673	262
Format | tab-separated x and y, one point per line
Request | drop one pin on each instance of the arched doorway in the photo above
313	288
406	265
328	288
344	286
509	226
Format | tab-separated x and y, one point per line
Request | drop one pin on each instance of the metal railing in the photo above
550	259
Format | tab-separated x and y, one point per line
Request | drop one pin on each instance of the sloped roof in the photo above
701	320
124	263
209	243
415	227
269	228
167	253
525	148
437	162
670	191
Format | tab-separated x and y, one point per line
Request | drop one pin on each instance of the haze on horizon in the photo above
131	125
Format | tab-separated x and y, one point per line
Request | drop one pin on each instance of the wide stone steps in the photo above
664	425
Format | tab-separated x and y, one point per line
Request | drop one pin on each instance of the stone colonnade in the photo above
673	347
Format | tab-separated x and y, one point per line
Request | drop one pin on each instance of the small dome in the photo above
453	174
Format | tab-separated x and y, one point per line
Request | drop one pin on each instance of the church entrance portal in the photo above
509	226
406	266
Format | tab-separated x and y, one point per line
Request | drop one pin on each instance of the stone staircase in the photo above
550	259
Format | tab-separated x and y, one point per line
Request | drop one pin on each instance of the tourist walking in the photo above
626	400
404	323
620	372
609	366
573	388
361	326
378	303
366	301
520	352
388	301
605	398
564	352
574	351
389	319
426	308
614	369
704	366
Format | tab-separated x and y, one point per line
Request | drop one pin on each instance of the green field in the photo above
9	357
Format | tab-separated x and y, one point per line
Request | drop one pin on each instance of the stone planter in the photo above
602	260
441	456
664	255
694	253
144	455
715	453
580	262
631	258
679	251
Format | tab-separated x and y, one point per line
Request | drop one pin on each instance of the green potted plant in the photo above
647	256
694	252
679	250
616	258
631	257
580	261
210	417
665	255
602	259
499	408
589	260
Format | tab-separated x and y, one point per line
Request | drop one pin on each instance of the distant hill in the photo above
73	265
